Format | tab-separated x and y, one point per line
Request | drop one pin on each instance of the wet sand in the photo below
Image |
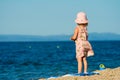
107	74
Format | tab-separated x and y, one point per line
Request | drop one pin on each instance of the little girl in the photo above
80	36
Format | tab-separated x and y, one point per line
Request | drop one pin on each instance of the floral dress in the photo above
83	47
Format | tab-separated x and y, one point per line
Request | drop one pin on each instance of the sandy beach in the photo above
107	74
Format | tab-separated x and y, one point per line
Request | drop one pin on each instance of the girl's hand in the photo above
72	38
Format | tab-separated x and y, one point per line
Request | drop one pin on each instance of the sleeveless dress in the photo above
83	47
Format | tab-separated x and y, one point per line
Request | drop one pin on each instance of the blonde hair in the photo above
84	24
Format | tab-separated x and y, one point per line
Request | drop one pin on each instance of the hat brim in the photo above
81	21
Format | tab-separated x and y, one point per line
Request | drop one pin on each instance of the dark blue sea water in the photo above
34	60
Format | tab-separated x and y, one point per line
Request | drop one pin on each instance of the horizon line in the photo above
60	34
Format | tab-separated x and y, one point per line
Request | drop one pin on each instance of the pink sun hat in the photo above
81	18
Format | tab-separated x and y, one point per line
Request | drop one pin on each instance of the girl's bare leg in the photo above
79	65
85	64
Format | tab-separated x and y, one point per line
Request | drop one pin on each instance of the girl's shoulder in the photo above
76	29
81	30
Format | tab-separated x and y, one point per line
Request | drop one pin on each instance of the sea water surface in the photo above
34	60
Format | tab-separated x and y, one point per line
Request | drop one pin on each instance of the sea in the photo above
35	60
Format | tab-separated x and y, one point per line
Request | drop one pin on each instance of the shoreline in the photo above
107	74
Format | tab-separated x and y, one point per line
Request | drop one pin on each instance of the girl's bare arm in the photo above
74	37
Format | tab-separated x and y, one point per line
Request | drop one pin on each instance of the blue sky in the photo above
56	17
